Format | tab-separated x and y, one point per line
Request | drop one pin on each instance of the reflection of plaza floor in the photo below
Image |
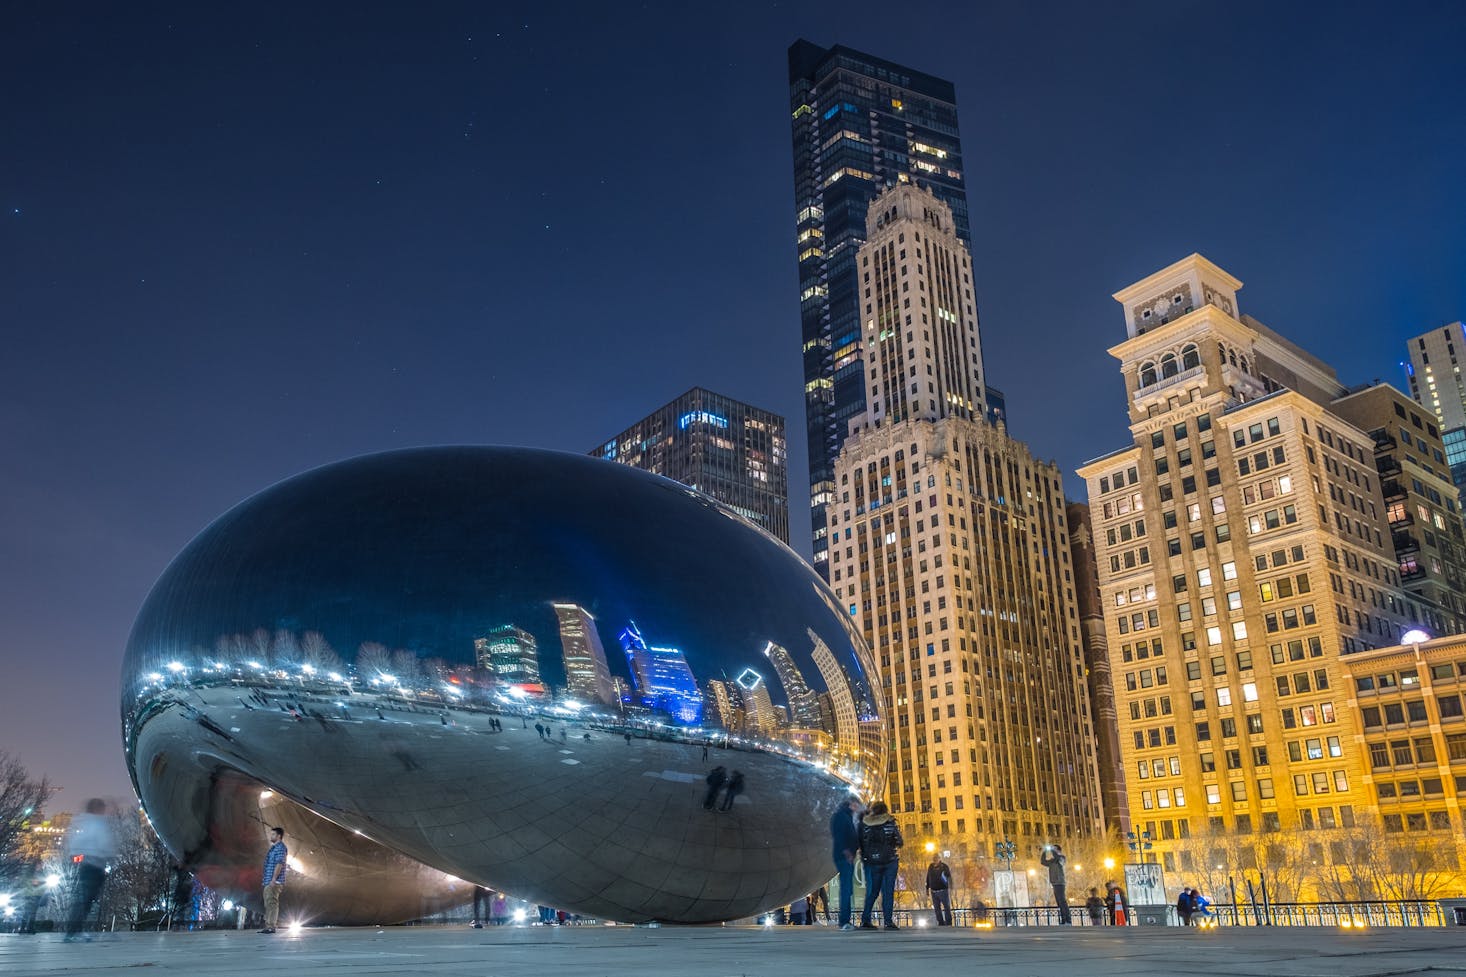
747	951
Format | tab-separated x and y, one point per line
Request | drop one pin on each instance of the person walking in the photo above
939	887
1053	858
90	845
821	898
274	878
845	839
880	855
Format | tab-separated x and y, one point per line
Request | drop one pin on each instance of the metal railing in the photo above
1406	913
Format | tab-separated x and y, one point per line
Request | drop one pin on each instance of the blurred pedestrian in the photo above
91	845
845	839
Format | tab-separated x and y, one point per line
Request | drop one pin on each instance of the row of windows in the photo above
1409	711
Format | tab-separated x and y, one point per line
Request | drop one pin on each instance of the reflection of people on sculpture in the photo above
716	778
845	838
735	787
480	897
880	844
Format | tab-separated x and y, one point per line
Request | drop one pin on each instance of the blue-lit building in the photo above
663	680
860	124
730	450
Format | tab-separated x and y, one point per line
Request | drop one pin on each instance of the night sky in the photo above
239	243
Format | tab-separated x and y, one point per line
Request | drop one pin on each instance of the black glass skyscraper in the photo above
860	125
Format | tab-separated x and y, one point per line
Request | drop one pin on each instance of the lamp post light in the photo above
1139	844
1006	851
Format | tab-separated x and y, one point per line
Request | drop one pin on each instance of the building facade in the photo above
1113	799
509	654
1434	375
1243	549
587	674
722	447
948	545
860	124
1421	503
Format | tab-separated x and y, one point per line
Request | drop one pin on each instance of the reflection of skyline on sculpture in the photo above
661	686
413	647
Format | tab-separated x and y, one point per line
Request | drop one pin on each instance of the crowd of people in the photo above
864	839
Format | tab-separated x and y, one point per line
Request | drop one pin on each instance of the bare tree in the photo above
372	658
316	651
22	799
143	875
284	649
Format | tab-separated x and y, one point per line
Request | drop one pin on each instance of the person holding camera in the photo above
1052	857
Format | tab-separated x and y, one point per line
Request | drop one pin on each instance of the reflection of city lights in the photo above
227	905
337	677
295	926
4	899
519	915
155	676
175	667
53	880
255	665
308	669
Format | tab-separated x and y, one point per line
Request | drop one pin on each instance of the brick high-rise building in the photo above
1243	549
948	544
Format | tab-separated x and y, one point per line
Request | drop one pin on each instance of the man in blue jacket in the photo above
845	836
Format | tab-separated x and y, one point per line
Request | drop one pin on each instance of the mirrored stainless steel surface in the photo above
514	667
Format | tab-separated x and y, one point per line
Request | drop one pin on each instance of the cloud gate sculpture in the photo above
511	667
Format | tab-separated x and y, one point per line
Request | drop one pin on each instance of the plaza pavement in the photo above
788	951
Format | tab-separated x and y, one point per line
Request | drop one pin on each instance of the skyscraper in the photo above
1243	547
727	449
949	547
662	677
1421	503
1435	378
509	653
860	124
587	676
804	705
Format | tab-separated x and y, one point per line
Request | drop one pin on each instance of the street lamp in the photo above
1006	851
1139	844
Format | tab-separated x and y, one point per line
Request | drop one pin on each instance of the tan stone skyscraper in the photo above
1242	548
587	676
949	547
